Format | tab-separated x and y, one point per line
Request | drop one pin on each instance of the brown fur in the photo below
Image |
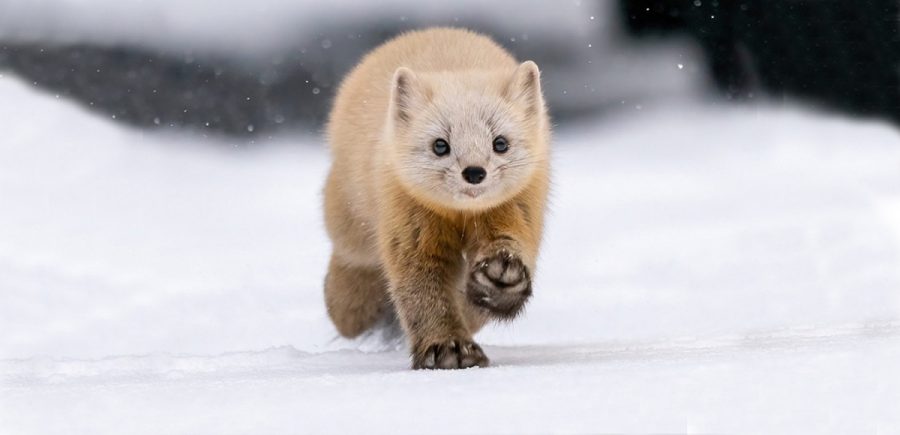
448	256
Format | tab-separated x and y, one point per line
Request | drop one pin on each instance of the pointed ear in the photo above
525	88
407	93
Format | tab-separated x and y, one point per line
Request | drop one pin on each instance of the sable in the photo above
422	209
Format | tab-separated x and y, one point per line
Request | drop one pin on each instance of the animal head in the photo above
467	140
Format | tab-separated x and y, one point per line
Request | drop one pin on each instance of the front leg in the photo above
424	264
499	278
502	257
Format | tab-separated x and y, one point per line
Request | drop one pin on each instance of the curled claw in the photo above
500	283
451	354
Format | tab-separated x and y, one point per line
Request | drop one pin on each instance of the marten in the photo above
436	196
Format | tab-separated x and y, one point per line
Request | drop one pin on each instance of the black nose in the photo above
474	174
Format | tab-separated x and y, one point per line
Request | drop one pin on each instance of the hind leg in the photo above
355	296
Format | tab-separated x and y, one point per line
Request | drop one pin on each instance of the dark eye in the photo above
441	147
501	145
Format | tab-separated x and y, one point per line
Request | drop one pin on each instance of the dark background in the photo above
842	55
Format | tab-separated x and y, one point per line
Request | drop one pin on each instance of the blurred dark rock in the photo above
843	54
246	96
163	90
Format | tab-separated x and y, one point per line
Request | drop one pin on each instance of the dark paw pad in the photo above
499	283
451	354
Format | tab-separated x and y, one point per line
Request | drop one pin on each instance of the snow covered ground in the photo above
707	268
243	27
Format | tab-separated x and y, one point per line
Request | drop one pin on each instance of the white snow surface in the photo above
244	26
603	67
706	268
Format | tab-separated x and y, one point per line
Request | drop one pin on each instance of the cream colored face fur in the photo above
469	111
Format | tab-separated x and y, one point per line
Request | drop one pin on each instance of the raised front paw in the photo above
499	283
449	354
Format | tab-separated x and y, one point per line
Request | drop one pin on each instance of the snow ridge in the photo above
288	362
